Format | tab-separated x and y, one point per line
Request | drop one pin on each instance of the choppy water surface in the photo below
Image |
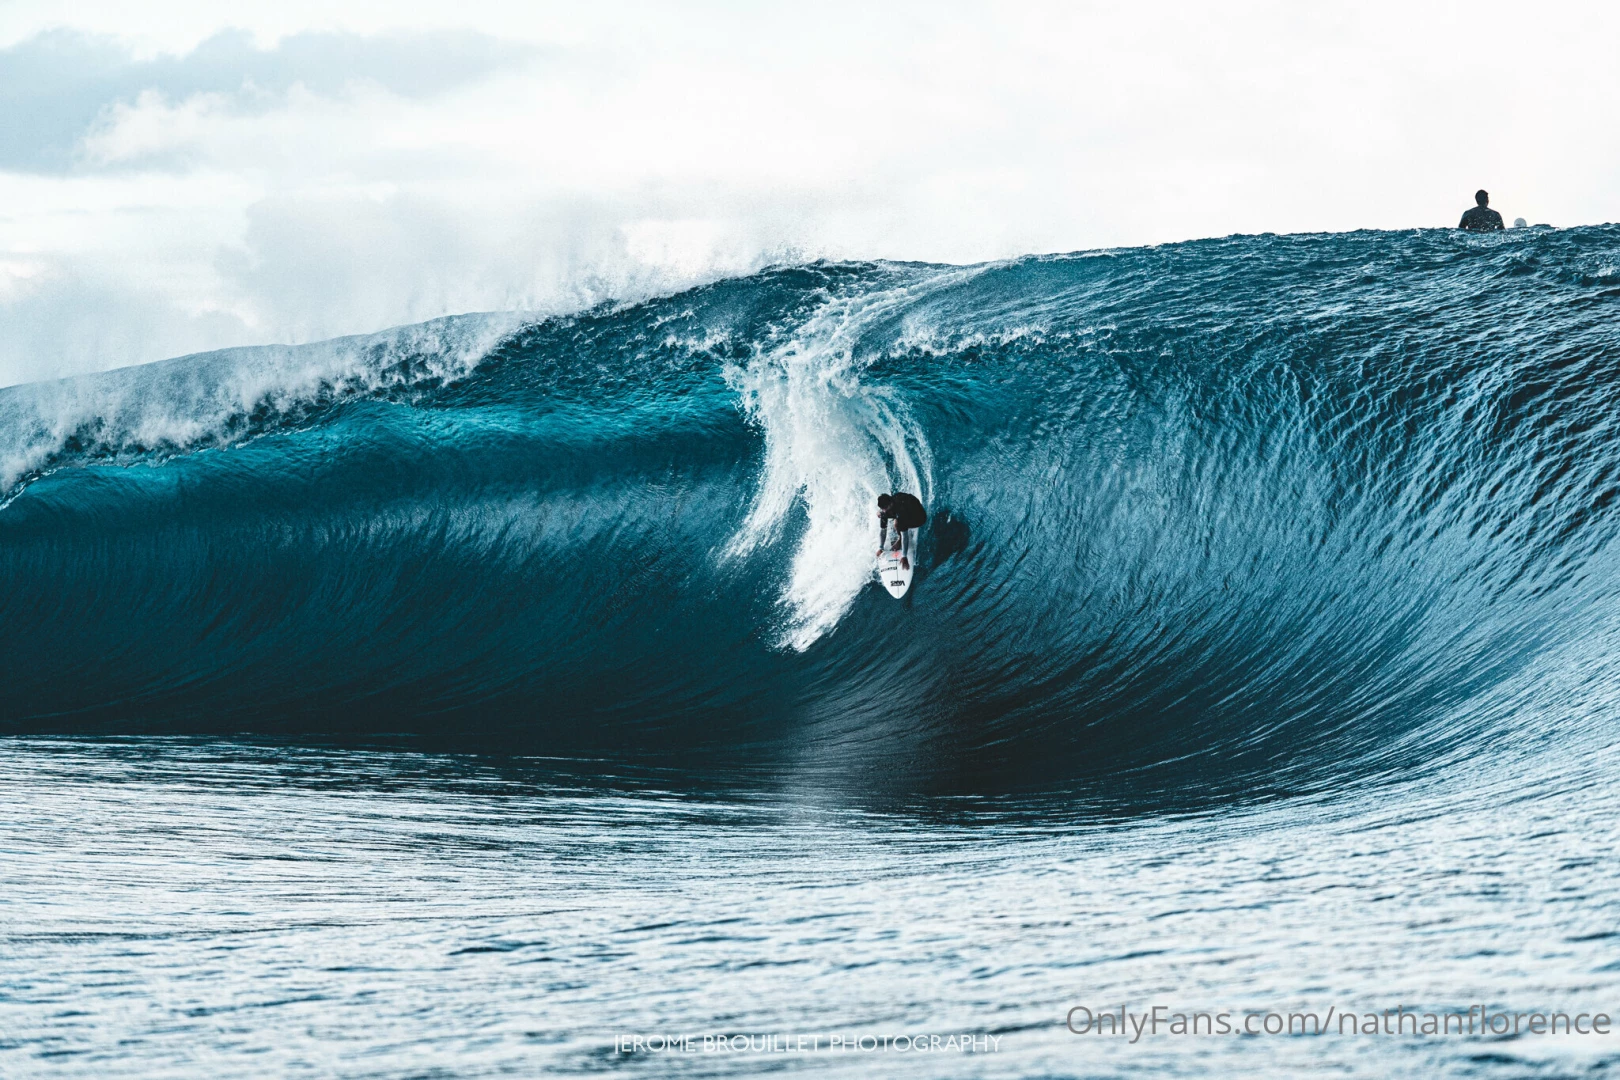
204	909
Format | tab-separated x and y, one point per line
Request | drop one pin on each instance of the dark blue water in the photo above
454	700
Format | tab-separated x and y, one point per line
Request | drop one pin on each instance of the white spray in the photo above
191	401
834	443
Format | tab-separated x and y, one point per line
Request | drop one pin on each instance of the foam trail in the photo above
833	443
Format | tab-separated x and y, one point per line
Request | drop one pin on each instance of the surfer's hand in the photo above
905	563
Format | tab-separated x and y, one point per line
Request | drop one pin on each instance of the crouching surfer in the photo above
908	515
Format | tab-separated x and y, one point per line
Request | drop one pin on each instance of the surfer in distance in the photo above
1481	218
908	515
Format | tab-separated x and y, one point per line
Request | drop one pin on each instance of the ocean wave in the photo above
1254	514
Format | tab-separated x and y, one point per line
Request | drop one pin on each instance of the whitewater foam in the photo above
219	399
833	443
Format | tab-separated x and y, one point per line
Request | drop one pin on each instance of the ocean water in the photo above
508	697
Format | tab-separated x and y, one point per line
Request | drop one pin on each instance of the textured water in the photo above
470	698
178	908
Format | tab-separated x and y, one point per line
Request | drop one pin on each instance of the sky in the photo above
177	177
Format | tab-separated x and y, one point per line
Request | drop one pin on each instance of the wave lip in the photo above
220	398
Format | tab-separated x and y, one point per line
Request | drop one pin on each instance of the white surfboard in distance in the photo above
895	578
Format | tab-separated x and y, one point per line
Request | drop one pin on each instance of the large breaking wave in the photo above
1261	513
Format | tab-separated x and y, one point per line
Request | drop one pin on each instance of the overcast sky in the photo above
175	177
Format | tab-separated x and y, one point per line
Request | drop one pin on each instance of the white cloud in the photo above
637	147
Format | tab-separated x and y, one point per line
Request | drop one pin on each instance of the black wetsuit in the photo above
906	510
1481	219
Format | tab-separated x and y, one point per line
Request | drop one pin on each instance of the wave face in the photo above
1255	514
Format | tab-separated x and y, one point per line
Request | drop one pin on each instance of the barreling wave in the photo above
1263	514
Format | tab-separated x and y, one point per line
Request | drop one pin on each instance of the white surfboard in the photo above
895	578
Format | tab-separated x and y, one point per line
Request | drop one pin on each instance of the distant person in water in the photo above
1481	218
908	516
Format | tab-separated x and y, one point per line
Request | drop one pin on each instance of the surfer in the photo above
908	516
1481	218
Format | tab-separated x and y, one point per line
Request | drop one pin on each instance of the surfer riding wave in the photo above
908	515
